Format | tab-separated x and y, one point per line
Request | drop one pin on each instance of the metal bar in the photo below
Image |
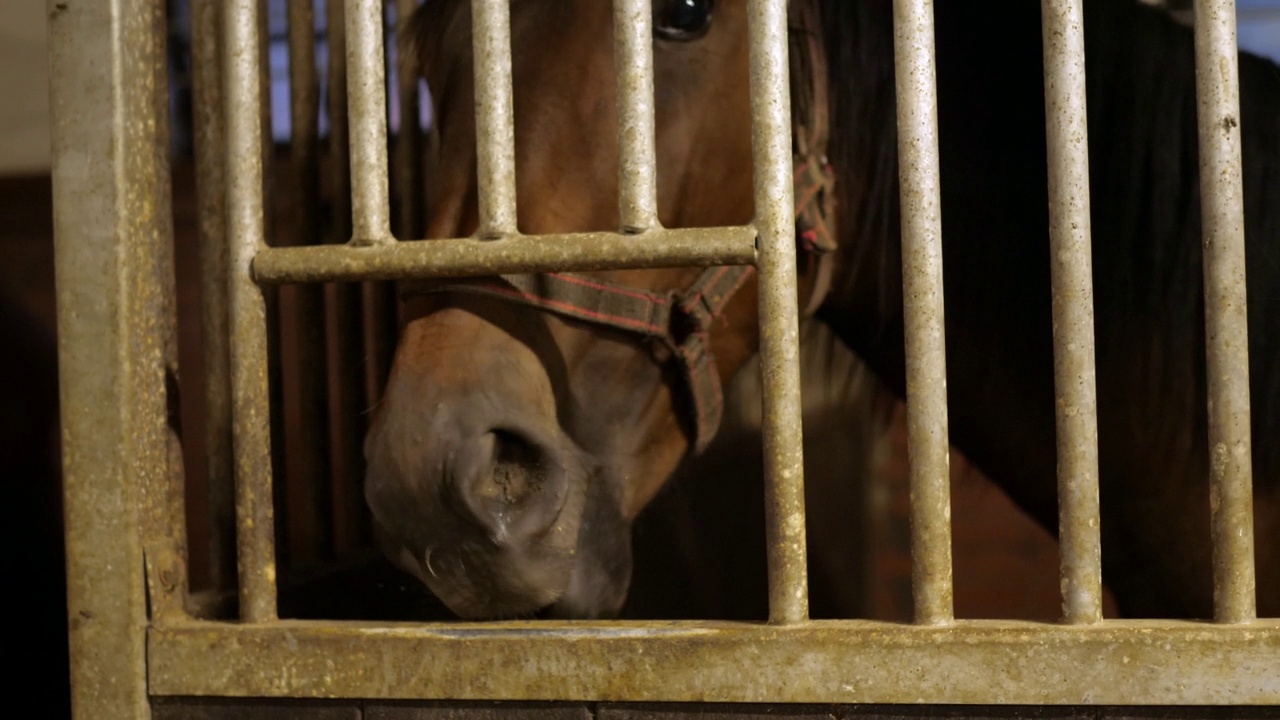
970	662
339	137
165	528
367	105
309	530
251	409
926	365
495	130
271	296
407	162
779	313
206	61
1226	311
110	362
637	157
1075	376
523	254
343	310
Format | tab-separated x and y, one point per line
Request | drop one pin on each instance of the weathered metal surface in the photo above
1075	376
252	708
926	365
495	121
367	103
311	511
164	529
407	162
1226	316
478	711
211	234
779	312
110	345
228	709
637	157
339	135
251	426
521	254
1114	662
637	711
345	306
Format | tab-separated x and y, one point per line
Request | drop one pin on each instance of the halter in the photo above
676	325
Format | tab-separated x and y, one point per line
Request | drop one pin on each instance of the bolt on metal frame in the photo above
115	296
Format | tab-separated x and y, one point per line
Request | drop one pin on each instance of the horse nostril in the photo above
520	468
519	491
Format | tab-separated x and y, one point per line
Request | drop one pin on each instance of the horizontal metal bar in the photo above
518	254
1075	376
1226	311
1129	663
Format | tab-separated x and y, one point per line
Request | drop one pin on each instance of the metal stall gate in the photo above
135	637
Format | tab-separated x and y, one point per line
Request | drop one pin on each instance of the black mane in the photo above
1146	239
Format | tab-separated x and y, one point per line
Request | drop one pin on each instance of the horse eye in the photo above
681	20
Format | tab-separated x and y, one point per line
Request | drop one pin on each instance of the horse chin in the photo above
601	574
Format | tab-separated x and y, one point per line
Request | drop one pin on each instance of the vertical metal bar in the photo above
407	163
271	295
367	103
779	313
339	137
495	131
927	441
109	354
1075	377
165	531
206	61
310	528
343	320
1226	312
251	409
633	57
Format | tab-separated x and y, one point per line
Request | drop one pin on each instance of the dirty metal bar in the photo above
211	193
1226	315
969	662
309	518
251	410
1073	344
519	254
495	129
633	57
407	161
344	306
339	135
922	306
111	382
779	313
367	105
164	505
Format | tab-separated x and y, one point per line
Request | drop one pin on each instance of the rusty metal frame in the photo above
113	296
109	220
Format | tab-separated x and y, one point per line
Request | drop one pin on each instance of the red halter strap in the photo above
677	325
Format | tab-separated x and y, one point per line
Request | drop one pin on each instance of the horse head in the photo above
526	422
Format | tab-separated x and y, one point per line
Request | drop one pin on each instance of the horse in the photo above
519	439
